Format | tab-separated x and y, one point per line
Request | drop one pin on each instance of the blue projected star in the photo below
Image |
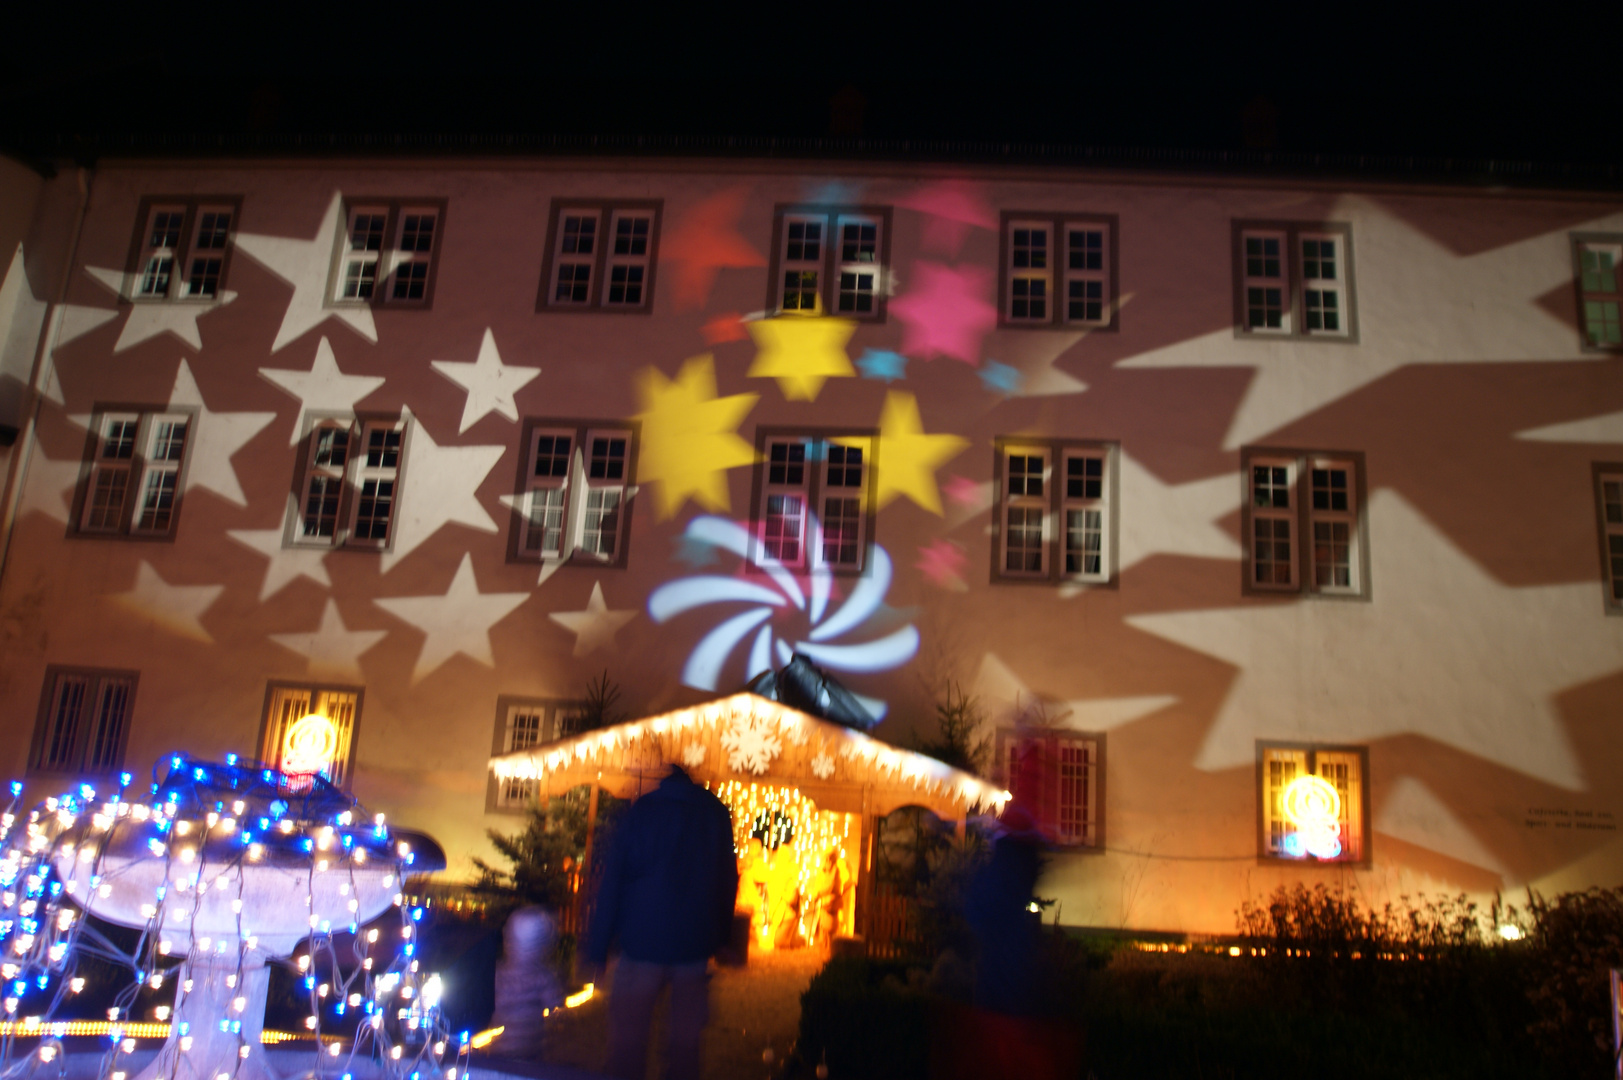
1001	378
882	364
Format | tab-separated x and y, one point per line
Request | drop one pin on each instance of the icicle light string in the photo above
203	824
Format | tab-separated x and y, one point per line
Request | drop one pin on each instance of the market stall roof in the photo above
750	739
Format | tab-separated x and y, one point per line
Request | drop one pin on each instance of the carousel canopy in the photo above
748	738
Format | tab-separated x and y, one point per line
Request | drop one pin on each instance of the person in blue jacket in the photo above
666	898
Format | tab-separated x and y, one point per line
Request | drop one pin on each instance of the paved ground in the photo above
752	1009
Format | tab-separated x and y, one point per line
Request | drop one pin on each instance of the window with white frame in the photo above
1056	776
812	499
349	482
520	724
1292	495
84	720
830	260
1597	258
133	472
1058	270
387	252
1609	489
1055	510
573	492
181	249
310	729
1293	280
601	256
1313	802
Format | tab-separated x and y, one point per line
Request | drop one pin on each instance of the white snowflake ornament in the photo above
751	743
693	755
823	765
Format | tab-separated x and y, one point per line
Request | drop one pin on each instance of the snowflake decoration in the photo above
793	729
823	765
751	744
693	755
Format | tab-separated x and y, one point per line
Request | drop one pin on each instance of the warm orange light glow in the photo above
309	745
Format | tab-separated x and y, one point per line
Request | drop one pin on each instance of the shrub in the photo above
865	1020
1576	938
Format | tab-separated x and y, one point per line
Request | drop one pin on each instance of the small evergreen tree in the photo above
601	708
545	856
958	741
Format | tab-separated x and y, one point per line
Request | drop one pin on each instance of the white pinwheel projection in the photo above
788	613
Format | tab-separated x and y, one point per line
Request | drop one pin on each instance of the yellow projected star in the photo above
689	436
801	351
909	457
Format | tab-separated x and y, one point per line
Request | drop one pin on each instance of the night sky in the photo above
1529	83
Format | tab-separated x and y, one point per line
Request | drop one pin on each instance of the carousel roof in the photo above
751	739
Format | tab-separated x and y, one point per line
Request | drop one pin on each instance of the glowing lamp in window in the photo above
1313	806
308	747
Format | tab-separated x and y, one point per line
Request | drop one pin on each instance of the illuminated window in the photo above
349	482
1303	523
1313	802
1598	260
1055	511
387	253
1293	280
1609	490
1055	775
812	499
601	256
520	724
572	493
830	260
1058	270
84	721
181	249
325	746
132	478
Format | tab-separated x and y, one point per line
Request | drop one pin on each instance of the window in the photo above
812	499
1056	776
325	745
1596	259
131	480
1293	280
1320	496
181	249
348	488
1059	270
387	252
1609	490
84	721
830	260
1313	802
522	723
572	502
1056	511
600	256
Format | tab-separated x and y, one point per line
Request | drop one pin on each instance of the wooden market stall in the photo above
827	783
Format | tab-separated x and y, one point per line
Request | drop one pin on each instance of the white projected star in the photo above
1174	519
332	648
458	622
285	564
490	383
1412	813
439	486
1035	362
1443	651
1417	303
149	318
1006	698
323	388
49	486
79	319
1592	429
305	265
595	627
216	437
176	608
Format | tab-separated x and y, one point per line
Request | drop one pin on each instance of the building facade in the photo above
1199	484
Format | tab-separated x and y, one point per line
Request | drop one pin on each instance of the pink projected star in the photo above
704	241
946	312
943	561
951	209
728	326
960	490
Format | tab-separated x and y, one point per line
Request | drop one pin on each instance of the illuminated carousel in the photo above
811	790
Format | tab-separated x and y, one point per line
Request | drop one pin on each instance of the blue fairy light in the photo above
231	759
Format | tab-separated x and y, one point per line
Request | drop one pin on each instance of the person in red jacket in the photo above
666	899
